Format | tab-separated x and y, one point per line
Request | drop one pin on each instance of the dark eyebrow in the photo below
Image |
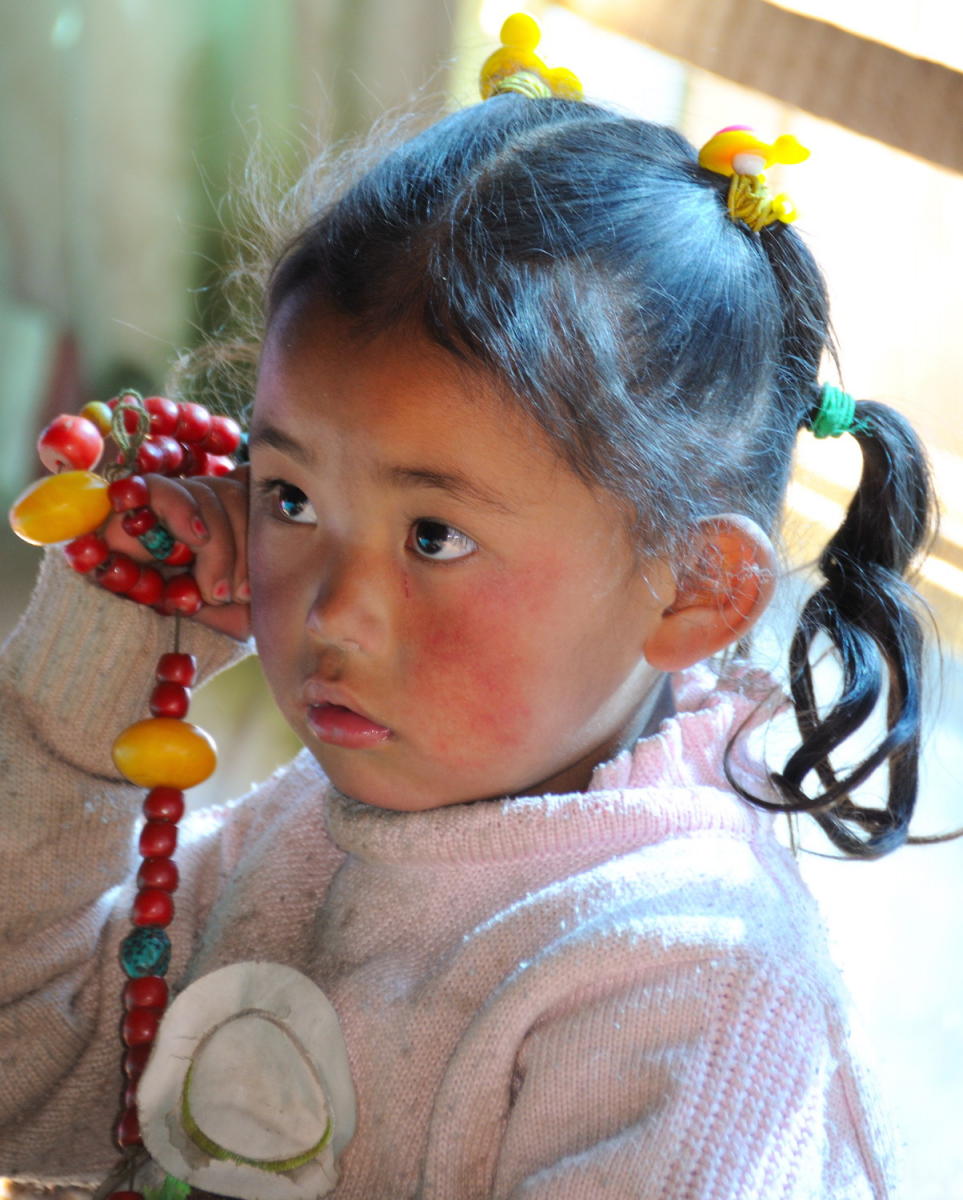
452	482
270	435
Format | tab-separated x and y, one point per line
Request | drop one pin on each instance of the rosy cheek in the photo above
272	617
476	664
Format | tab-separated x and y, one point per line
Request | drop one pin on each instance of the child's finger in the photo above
224	556
175	508
220	567
209	515
236	506
179	506
193	511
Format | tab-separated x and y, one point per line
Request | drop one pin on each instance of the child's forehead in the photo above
402	413
398	386
323	362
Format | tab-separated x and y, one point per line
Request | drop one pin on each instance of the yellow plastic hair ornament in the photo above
515	67
737	152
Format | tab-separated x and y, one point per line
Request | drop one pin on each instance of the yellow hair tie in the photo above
515	67
737	152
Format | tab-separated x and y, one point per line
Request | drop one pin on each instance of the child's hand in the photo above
209	514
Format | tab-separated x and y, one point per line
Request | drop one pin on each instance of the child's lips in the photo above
337	725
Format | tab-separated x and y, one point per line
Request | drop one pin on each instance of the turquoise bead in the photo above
145	951
158	541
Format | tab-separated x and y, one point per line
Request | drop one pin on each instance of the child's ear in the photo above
722	590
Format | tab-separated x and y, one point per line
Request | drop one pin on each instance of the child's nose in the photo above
351	607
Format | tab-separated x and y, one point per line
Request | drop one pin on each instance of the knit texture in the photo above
621	993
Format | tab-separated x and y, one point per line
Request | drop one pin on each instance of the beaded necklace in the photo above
162	753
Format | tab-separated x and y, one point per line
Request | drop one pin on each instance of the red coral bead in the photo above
138	521
119	574
128	1129
131	420
86	552
71	443
126	1194
193	423
192	456
181	594
219	464
149	588
139	1027
152	907
181	555
135	1060
150	458
163	414
196	462
173	453
164	804
158	839
150	991
123	398
224	437
158	873
127	493
170	700
176	668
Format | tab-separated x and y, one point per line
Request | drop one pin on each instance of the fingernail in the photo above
243	593
221	591
198	528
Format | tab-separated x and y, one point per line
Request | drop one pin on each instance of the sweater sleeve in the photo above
77	670
630	1095
709	1080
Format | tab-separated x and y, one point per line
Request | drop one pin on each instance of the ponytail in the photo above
871	616
865	606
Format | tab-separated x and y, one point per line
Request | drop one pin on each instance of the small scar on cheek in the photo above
405	585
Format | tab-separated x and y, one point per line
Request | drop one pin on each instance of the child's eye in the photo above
439	542
289	502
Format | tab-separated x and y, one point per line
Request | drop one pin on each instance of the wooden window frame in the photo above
866	86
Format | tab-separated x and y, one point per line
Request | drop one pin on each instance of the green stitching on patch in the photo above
170	1189
209	1146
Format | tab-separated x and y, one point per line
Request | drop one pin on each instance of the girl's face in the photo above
444	610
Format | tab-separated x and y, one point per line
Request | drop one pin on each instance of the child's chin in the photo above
379	789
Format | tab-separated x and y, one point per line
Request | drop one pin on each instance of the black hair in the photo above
587	261
871	617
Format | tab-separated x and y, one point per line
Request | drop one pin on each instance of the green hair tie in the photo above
834	414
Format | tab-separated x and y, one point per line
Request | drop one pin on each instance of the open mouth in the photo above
339	726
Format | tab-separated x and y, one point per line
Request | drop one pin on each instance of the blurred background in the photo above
125	126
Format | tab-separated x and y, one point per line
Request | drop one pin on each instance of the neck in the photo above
659	705
656	706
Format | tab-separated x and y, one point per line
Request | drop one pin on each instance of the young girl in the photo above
515	923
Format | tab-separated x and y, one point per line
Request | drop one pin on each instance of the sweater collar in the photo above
665	784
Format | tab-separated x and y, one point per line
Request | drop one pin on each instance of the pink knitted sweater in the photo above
621	993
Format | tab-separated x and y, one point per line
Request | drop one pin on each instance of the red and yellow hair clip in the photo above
736	151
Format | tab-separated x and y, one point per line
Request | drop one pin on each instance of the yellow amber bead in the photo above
60	507
100	414
164	752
